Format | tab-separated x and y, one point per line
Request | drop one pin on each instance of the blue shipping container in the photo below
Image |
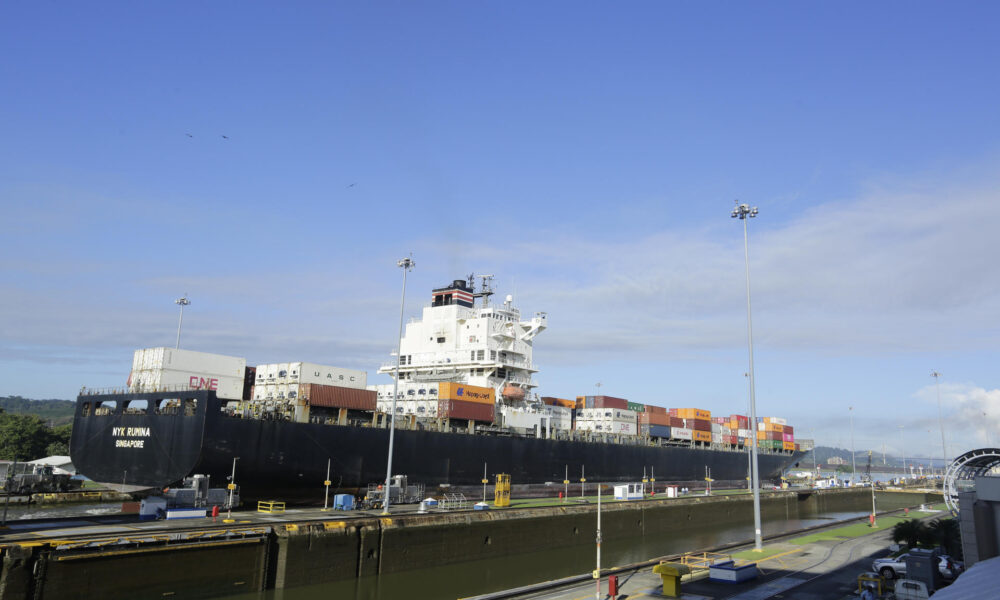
661	431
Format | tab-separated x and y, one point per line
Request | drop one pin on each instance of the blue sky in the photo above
586	154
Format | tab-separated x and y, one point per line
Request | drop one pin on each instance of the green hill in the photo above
53	412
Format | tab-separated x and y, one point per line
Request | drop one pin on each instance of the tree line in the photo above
27	437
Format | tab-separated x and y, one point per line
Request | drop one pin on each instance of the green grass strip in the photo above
851	531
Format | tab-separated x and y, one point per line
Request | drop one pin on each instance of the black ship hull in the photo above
158	447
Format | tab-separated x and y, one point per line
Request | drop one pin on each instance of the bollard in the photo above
612	586
215	512
560	495
670	574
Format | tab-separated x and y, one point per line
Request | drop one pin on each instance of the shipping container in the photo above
333	396
694	413
189	361
463	409
716	438
787	437
164	380
651	418
720	420
306	372
701	436
775	420
698	424
788	445
466	393
716	427
681	433
676	422
789	429
656	409
559	402
657	431
603	402
743	420
636	407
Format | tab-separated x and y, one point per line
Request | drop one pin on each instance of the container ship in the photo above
465	407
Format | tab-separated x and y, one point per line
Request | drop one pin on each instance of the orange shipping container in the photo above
788	445
694	413
701	436
466	393
559	402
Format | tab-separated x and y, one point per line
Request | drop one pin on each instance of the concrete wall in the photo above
297	554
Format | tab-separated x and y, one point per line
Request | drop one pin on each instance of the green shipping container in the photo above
637	407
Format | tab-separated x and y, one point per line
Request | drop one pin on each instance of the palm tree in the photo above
910	531
945	533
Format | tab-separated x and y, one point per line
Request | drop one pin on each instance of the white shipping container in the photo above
680	433
716	428
716	438
743	432
304	372
229	388
173	359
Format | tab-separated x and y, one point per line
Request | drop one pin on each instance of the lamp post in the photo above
182	302
854	466
745	212
232	488
406	264
937	385
901	451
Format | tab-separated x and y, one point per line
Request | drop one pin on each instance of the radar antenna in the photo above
485	290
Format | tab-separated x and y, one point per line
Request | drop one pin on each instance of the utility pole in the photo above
937	385
407	265
745	212
854	466
182	302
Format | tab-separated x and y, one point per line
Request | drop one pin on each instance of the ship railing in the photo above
138	389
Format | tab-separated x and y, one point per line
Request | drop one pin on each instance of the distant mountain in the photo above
55	412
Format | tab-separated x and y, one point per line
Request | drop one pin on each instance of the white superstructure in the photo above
460	340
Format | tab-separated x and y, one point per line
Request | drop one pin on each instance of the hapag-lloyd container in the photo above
163	380
173	359
466	393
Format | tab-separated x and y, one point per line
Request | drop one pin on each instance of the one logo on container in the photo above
200	383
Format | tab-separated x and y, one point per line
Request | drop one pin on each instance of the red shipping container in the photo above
743	420
459	409
720	420
605	402
676	422
656	409
698	424
775	435
332	396
789	429
648	418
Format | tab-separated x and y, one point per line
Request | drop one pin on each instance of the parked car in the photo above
890	568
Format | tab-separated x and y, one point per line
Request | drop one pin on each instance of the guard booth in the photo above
628	491
501	493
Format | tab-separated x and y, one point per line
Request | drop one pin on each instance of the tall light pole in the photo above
407	264
183	301
744	212
854	466
901	451
937	384
232	488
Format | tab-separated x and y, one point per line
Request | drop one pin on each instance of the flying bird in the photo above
189	135
225	137
352	185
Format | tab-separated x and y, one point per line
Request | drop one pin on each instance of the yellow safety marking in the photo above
328	525
779	555
386	521
292	527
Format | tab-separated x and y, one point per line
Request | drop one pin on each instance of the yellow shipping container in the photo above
693	413
701	436
467	393
788	445
775	427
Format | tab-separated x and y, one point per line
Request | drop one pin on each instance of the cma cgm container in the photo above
462	409
332	396
466	393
